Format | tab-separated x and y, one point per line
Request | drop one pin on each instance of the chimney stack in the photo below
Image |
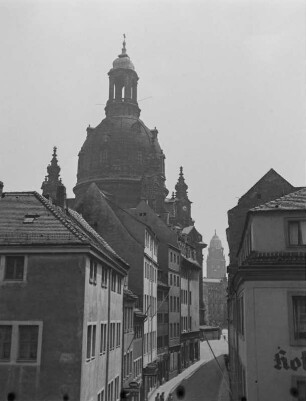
61	196
1	188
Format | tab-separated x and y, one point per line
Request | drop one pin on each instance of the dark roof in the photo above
266	177
293	201
51	225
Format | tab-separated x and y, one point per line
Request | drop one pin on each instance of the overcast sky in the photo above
226	81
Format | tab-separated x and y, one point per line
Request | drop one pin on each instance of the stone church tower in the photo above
121	155
216	265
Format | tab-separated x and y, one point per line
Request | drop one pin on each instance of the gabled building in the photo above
138	245
58	280
267	303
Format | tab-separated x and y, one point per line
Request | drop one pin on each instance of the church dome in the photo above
123	60
215	242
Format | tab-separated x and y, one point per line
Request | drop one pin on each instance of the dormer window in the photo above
30	218
297	232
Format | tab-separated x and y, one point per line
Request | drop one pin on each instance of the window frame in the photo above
15	345
291	324
93	349
287	231
5	281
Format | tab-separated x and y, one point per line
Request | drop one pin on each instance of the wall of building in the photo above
53	294
267	376
101	305
270	231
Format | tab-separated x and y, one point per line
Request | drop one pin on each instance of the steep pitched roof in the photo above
27	218
293	201
270	175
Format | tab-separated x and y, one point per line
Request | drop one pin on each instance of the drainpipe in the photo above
108	334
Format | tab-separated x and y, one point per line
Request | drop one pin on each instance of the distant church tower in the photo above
52	187
121	155
216	265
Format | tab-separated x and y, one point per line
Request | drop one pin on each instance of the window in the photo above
14	268
297	317
103	338
93	272
166	318
159	318
5	342
100	396
119	285
104	277
114	279
171	330
20	342
297	232
118	335
117	388
28	341
91	342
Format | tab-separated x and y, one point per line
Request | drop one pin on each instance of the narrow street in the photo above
202	380
203	385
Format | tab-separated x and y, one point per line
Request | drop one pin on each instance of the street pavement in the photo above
209	381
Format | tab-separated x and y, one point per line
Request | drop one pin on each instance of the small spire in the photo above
54	151
181	171
215	232
124	44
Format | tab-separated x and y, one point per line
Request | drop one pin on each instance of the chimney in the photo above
61	196
1	188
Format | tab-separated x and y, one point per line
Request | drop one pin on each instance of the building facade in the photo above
63	330
267	300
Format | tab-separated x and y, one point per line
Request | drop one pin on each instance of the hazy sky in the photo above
226	81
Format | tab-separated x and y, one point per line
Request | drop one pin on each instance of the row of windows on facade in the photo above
150	272
174	330
174	257
184	297
297	317
162	318
19	342
111	337
149	342
174	280
150	243
174	304
150	305
113	391
187	251
186	323
116	280
131	368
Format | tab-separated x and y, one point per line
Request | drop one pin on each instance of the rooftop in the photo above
27	218
293	201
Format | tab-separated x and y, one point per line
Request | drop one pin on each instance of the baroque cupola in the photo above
52	187
123	81
121	155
